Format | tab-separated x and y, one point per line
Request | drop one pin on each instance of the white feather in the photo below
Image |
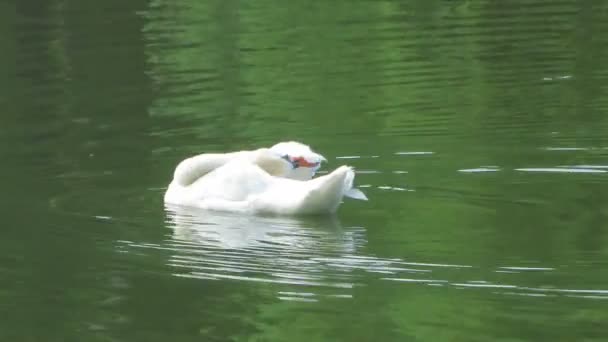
259	181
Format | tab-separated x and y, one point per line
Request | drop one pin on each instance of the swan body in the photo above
261	181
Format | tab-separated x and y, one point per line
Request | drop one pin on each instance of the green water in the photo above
478	130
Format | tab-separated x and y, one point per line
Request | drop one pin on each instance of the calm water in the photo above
478	129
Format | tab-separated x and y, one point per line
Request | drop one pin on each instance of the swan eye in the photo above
293	162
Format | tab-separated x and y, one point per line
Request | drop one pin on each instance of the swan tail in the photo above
329	190
349	191
355	193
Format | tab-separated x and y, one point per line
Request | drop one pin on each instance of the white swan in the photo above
277	180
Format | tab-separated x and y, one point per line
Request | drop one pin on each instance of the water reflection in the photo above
311	258
221	230
278	250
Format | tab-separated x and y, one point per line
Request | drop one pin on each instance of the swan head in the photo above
304	162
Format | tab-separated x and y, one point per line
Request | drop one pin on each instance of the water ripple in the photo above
560	170
312	259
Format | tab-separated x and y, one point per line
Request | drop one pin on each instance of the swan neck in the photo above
193	168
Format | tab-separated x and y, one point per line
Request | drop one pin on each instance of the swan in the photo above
276	180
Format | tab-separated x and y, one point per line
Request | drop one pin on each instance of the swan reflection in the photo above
282	250
310	258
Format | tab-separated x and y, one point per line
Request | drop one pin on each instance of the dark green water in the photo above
479	130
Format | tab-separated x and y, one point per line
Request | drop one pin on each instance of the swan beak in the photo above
302	162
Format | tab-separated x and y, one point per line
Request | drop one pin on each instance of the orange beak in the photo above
302	162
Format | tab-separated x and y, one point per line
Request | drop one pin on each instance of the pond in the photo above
477	129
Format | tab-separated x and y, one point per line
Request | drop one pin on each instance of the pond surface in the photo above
478	131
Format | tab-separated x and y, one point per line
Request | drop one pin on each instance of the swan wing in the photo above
234	181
